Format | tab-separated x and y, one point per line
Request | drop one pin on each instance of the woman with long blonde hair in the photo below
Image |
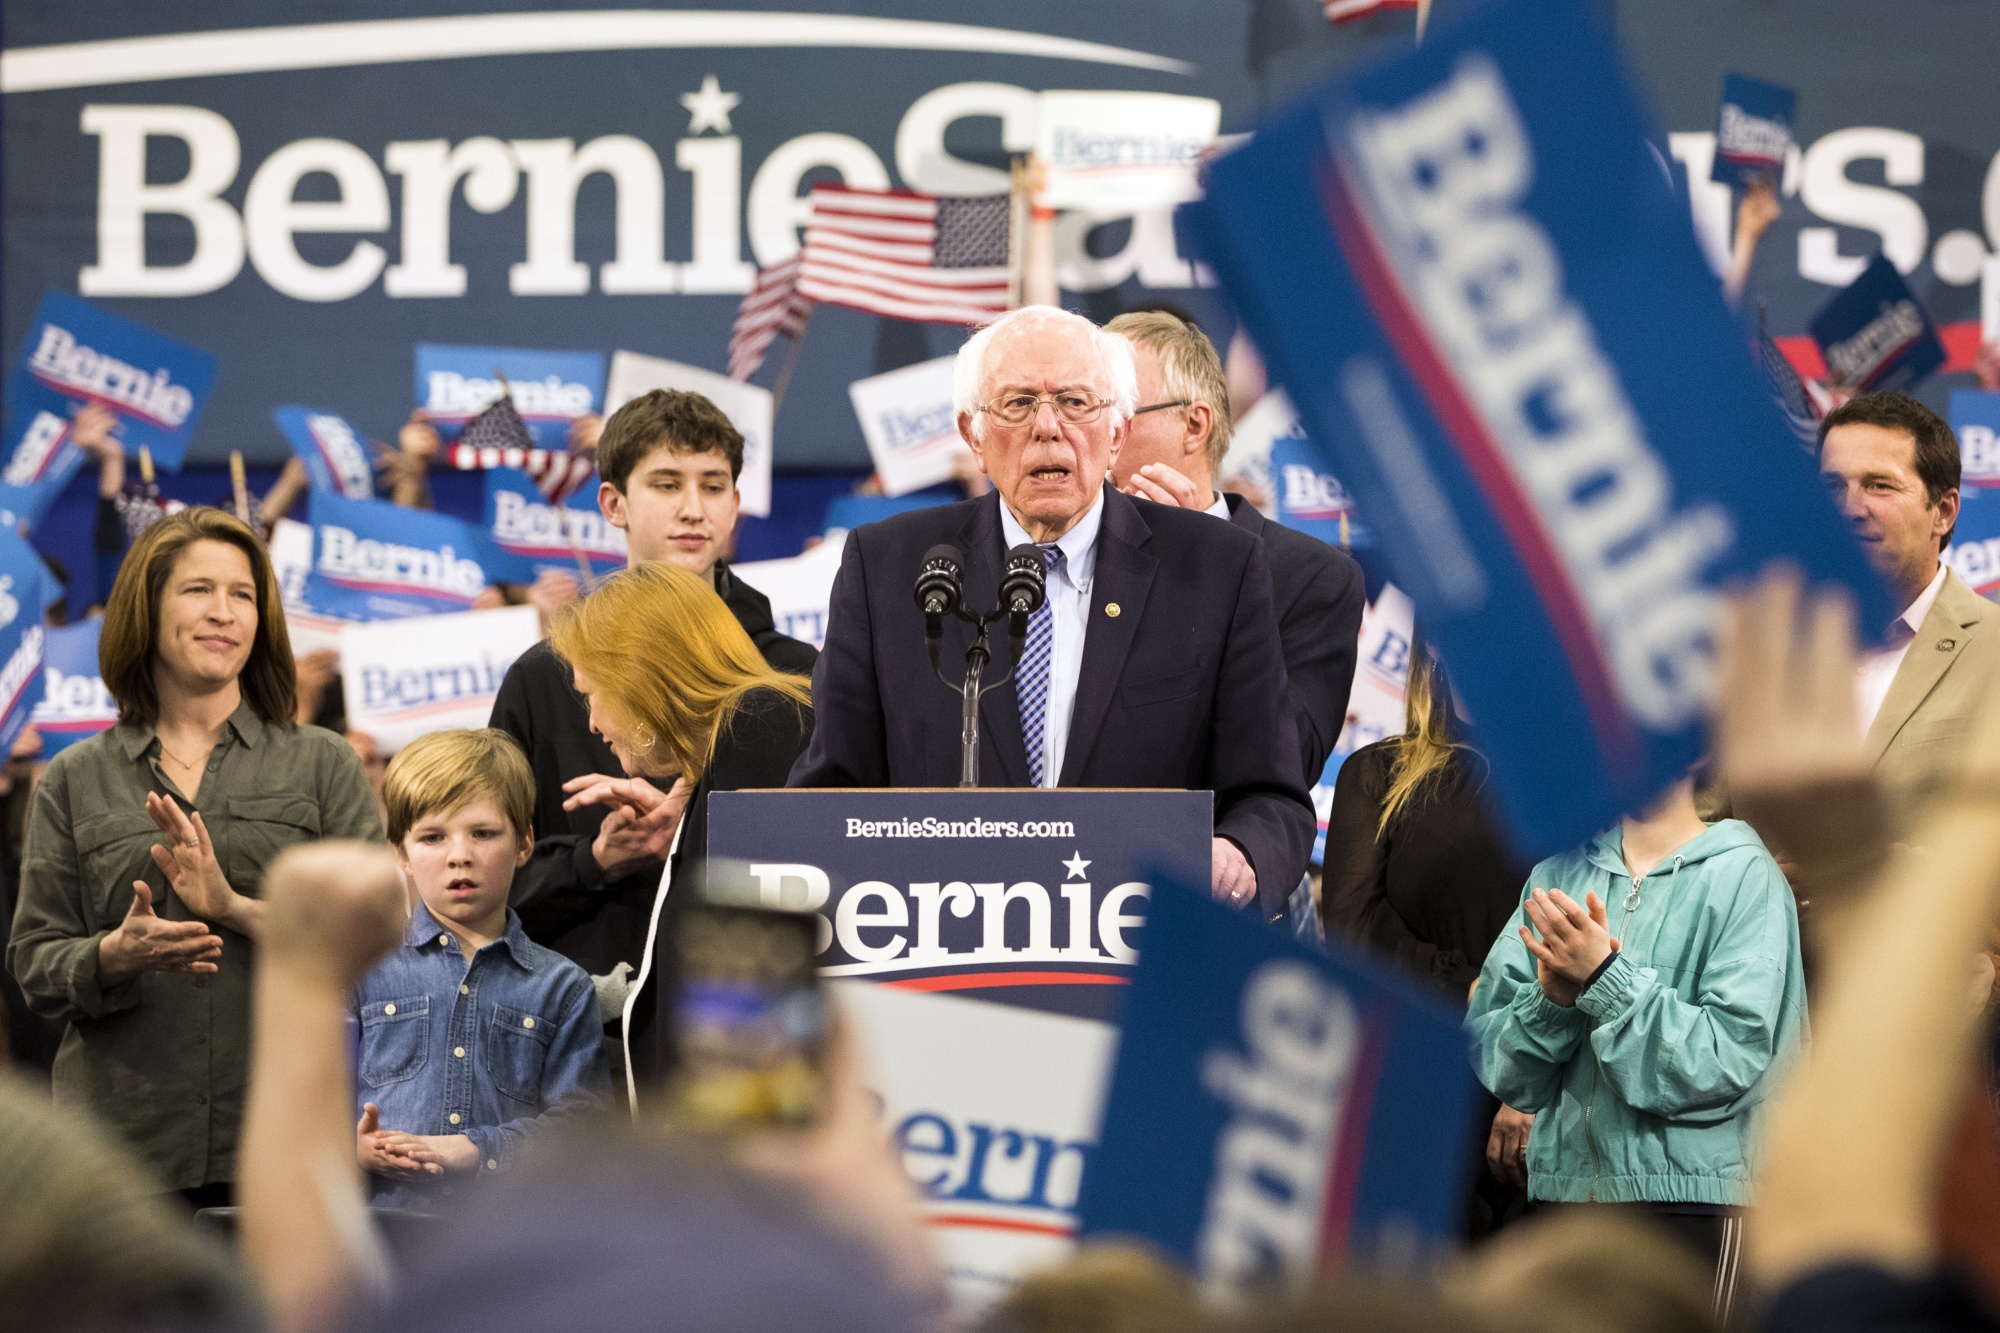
1415	867
679	692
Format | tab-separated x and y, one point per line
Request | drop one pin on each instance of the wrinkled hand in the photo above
1232	880
391	1152
639	830
1163	485
188	861
1507	1146
1574	941
332	909
144	942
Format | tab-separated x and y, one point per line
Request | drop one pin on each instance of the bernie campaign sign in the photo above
912	432
78	354
1468	270
1876	335
41	458
429	673
372	560
26	589
529	534
1108	152
334	453
1275	1112
75	705
1753	131
550	389
1975	547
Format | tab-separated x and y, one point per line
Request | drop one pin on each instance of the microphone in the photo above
1024	584
939	592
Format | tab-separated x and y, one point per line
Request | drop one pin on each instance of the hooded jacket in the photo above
1643	1091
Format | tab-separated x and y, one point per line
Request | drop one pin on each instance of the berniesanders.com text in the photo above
933	827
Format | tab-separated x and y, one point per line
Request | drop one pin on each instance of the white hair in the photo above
1114	361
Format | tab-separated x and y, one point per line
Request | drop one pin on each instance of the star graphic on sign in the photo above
709	108
1076	865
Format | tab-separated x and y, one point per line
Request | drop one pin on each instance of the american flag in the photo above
497	437
1782	382
773	306
1346	11
907	255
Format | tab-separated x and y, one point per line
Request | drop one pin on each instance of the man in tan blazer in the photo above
1892	466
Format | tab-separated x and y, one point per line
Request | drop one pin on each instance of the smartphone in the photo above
750	1020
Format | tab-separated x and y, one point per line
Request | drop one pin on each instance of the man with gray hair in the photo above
1180	432
1154	662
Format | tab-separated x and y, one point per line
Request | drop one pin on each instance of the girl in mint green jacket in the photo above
1641	1003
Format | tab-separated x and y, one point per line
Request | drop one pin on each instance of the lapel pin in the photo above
1111	609
1946	645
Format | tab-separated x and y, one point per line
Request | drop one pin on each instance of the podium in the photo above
980	942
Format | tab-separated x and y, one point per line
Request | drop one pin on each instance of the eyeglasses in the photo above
1072	405
1160	407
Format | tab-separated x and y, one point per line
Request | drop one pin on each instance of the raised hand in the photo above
144	942
332	909
188	861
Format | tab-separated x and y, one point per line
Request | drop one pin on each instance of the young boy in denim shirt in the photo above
470	1033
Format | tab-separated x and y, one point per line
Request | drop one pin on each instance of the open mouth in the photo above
461	887
1050	474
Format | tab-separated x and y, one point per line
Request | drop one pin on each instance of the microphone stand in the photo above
975	687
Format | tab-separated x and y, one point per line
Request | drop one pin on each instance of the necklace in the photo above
176	758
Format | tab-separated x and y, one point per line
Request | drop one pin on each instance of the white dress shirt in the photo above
1878	670
1069	604
1220	508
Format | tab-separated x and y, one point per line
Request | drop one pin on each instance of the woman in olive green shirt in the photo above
139	880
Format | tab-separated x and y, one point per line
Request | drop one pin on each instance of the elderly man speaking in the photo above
1154	663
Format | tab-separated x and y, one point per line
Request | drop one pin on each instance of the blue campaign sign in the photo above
1310	498
26	590
75	705
76	353
550	389
1275	1111
1030	898
1467	268
372	560
334	452
1753	130
1876	334
529	535
41	457
1975	546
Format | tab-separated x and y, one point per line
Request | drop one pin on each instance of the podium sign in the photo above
981	942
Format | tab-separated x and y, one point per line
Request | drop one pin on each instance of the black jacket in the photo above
756	748
1434	892
1182	684
564	900
1319	595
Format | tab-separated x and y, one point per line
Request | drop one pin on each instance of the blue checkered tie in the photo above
1031	677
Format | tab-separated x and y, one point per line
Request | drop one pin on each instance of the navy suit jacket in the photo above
1319	594
1184	687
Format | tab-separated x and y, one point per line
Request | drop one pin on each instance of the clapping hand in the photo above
144	942
391	1152
639	830
1574	941
188	861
